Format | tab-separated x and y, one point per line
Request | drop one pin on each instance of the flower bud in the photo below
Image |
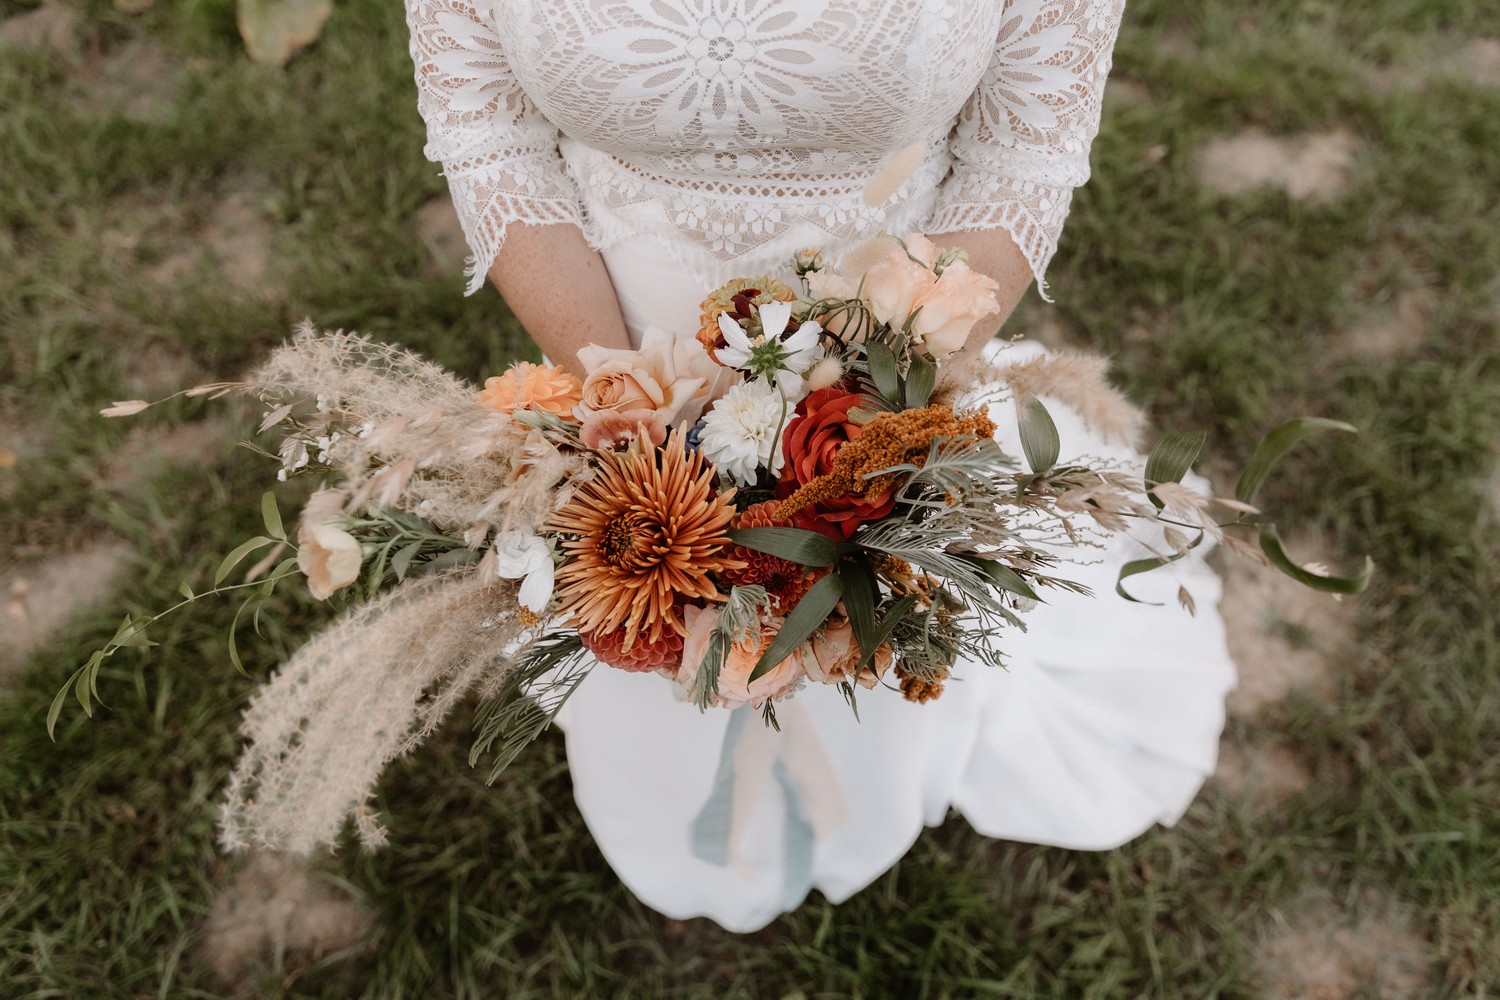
807	261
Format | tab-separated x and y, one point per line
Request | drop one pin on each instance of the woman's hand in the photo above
992	252
559	288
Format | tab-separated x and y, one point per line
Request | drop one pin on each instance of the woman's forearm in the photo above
558	287
992	252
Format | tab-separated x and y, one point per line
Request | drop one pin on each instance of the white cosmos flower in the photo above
739	433
768	356
527	558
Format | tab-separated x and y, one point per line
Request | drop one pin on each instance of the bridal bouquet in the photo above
806	490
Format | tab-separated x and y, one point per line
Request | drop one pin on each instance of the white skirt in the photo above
1105	722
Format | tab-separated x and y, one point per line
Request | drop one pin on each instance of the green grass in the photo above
107	861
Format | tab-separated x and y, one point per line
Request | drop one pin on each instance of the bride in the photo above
611	162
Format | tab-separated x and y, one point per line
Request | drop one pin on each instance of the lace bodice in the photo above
733	123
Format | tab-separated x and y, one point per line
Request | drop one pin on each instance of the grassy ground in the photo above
1228	313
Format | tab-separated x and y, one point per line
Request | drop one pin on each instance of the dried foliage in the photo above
358	695
409	436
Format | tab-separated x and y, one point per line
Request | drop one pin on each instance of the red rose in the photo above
812	439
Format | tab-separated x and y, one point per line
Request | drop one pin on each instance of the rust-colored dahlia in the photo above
785	581
663	653
739	298
645	533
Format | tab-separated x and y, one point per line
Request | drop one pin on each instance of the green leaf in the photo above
810	613
240	552
275	30
271	514
234	651
860	594
1172	457
1138	566
883	371
1008	579
920	378
54	711
883	631
1277	443
402	561
133	633
798	545
1039	438
1270	544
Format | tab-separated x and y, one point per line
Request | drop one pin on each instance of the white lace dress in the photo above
698	140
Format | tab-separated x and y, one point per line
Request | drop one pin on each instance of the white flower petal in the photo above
536	589
774	317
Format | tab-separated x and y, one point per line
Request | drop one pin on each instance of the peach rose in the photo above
525	386
831	655
951	307
735	686
607	430
666	375
894	286
327	555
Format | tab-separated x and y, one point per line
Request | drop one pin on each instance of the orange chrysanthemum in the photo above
738	298
664	653
785	581
526	386
643	535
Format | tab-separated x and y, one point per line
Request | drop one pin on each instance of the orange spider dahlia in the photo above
783	579
643	535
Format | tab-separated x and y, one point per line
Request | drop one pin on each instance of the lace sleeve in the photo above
497	150
1021	143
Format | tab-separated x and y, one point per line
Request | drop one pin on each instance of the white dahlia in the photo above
740	433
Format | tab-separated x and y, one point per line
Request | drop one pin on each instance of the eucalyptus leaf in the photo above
1171	458
1039	438
1270	544
1277	443
920	379
883	371
804	620
798	545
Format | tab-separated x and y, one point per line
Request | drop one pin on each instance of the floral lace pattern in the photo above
733	126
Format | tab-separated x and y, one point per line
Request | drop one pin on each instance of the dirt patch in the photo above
1262	773
51	25
275	916
139	80
1390	330
1475	62
41	598
1313	166
235	237
159	369
437	227
1283	637
147	451
1316	949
